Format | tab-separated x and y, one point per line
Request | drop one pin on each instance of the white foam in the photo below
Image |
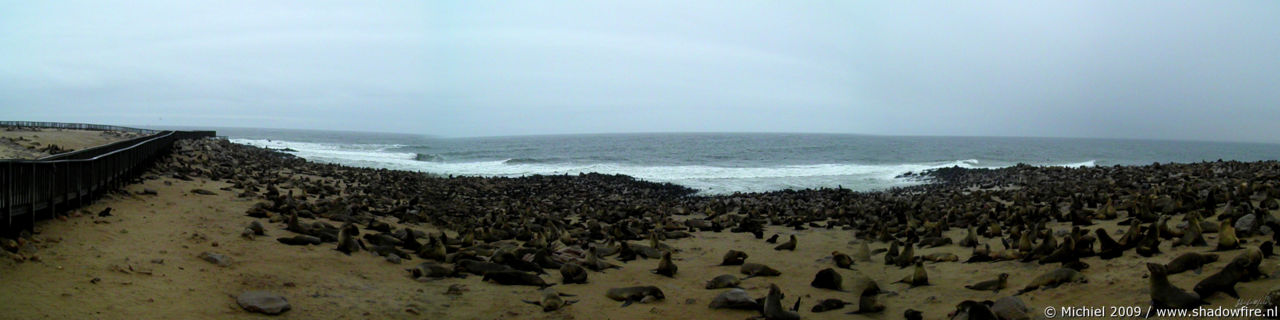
707	179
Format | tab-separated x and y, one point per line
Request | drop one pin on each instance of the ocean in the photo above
722	163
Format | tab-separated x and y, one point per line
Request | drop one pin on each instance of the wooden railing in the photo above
40	189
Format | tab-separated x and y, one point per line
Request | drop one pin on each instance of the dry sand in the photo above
146	257
33	140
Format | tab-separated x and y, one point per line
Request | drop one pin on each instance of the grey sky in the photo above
1130	69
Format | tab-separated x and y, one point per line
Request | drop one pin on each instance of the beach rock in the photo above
263	302
1245	226
215	258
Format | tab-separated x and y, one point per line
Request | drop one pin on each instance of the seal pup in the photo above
828	279
773	306
773	239
628	295
734	299
758	270
1189	261
1000	282
430	270
917	278
551	300
480	268
842	260
828	305
1166	296
572	273
892	254
733	258
907	256
1054	278
1108	248
724	281
594	263
789	245
1223	281
665	266
970	240
515	278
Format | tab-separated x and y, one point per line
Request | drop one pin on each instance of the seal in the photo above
1223	281
572	273
892	254
862	252
1227	239
789	245
594	263
973	310
1054	278
734	299
515	278
551	300
758	270
917	278
733	258
723	281
300	240
971	239
773	306
842	260
430	270
828	279
773	239
907	256
1189	261
994	285
1166	296
828	305
480	268
665	266
912	314
347	241
628	295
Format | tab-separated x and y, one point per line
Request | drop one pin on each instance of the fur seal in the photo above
723	281
572	273
773	306
300	240
971	239
917	278
862	252
642	294
758	270
973	310
1227	236
842	260
773	239
480	268
551	300
665	266
1000	282
733	258
734	299
430	270
1164	295
892	254
515	278
912	314
789	245
1189	261
1054	278
907	256
1223	281
828	279
828	305
347	241
941	257
594	263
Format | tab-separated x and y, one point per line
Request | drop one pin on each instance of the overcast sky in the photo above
1206	70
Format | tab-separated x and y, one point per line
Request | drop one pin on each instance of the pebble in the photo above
216	258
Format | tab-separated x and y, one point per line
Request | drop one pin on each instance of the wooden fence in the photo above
39	189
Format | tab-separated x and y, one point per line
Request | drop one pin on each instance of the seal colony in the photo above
1049	235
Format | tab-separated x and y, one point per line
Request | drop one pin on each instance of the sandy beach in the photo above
33	143
142	262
